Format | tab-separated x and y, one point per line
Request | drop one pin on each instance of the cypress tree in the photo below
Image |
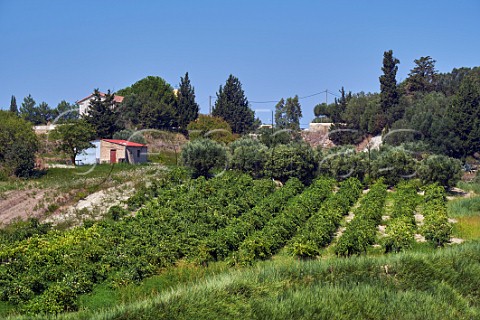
389	96
13	105
187	108
232	106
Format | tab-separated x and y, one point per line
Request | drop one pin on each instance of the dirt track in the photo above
20	204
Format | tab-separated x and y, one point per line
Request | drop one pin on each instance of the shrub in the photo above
18	145
203	155
210	127
342	162
440	169
292	160
394	165
248	155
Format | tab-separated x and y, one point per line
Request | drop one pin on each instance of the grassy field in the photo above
439	284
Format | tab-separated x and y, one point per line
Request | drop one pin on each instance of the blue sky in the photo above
61	50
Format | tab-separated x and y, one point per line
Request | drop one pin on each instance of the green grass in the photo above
469	186
465	207
440	284
165	157
467	228
467	213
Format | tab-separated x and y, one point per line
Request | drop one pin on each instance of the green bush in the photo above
249	156
203	155
291	160
342	162
440	169
18	144
393	164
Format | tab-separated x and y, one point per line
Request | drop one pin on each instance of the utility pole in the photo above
326	97
210	105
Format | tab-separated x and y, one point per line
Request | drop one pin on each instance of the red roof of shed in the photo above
125	143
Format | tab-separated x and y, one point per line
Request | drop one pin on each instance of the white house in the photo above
84	103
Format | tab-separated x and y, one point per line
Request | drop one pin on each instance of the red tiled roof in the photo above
124	143
117	99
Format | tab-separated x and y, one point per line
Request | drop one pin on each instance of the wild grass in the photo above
467	228
470	186
466	207
442	284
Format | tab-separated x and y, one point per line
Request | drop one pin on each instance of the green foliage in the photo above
342	162
273	137
319	229
436	227
66	112
21	230
102	116
18	144
36	114
401	228
277	231
232	105
361	231
422	78
130	135
187	108
393	164
223	242
73	137
210	127
203	155
149	104
465	115
291	160
248	155
389	96
440	169
288	114
13	105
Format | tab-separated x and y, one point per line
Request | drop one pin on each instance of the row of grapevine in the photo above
267	241
320	228
46	273
436	227
400	231
222	242
361	231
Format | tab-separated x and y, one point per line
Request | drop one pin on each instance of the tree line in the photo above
442	110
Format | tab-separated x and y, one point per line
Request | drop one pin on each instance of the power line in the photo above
300	98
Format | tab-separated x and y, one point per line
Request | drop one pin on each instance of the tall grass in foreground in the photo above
443	284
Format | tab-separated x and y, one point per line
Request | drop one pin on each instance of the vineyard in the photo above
231	218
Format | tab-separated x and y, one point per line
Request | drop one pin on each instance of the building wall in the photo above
83	107
105	148
137	155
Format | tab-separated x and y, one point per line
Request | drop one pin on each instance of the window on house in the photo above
138	153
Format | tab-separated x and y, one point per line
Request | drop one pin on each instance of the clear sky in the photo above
61	50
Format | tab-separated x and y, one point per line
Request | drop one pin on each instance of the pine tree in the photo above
280	115
465	113
187	108
29	111
101	115
422	78
232	105
13	105
293	113
389	96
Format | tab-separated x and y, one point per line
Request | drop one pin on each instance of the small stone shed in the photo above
116	151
